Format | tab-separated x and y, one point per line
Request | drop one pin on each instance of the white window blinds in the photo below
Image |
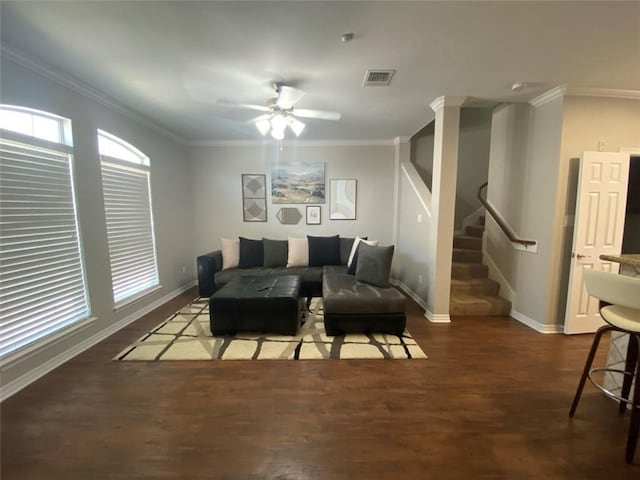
42	282
127	201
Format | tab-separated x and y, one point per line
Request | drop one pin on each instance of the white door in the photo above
598	229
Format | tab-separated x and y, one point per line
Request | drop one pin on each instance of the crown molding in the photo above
399	140
447	101
549	96
603	92
569	91
292	143
66	80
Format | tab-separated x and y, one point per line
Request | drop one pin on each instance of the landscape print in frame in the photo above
299	182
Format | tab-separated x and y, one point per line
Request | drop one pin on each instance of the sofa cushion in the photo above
324	250
275	252
298	252
230	248
225	276
251	253
374	265
308	274
343	294
352	264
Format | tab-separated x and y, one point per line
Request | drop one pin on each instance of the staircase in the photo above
472	291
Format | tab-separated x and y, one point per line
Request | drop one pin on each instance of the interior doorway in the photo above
631	236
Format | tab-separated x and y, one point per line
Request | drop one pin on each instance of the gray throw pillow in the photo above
275	252
374	265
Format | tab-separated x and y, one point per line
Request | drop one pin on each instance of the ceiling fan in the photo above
280	112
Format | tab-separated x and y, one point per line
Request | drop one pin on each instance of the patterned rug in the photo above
186	336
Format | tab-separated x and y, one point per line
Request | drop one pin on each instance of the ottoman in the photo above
351	306
257	304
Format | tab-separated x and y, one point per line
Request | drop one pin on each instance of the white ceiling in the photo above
172	61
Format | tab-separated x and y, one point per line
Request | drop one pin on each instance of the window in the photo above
42	281
127	203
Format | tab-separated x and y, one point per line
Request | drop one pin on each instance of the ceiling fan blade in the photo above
260	108
288	97
319	114
266	116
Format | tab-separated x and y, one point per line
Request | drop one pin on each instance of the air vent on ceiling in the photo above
377	78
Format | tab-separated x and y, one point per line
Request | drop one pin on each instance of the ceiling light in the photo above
277	123
277	133
296	126
263	126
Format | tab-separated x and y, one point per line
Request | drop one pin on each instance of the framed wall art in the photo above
298	183
342	199
313	215
254	197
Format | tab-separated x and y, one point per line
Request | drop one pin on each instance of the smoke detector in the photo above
377	78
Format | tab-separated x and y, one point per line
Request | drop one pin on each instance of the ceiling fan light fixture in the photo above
278	122
277	133
263	126
296	126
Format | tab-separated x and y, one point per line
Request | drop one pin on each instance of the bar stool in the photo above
619	297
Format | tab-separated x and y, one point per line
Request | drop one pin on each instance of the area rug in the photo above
186	336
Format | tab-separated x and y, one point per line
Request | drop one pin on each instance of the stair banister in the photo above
501	223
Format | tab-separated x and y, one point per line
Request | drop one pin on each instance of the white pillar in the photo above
443	201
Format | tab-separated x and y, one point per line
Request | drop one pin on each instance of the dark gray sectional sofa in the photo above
349	305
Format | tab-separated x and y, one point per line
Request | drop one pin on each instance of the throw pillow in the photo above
251	253
275	252
230	248
324	250
298	254
352	264
346	244
374	265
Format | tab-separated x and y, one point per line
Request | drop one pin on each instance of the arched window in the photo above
127	202
43	289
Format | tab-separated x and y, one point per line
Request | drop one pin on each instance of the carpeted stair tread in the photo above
475	286
461	270
467	241
465	255
478	305
474	230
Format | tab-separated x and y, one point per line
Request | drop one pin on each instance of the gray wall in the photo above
533	176
217	196
523	178
170	185
473	160
414	252
615	123
422	152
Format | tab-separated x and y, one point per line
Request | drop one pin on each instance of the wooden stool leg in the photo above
587	367
630	366
634	427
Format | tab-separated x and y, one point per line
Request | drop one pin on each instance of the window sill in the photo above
36	347
135	298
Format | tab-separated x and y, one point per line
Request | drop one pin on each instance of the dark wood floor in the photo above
491	402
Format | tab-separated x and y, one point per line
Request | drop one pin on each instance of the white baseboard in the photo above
31	376
437	318
531	323
440	318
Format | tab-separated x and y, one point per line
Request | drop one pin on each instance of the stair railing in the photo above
501	223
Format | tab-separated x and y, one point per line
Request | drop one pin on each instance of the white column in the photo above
443	201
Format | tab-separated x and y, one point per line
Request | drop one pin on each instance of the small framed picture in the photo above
313	214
